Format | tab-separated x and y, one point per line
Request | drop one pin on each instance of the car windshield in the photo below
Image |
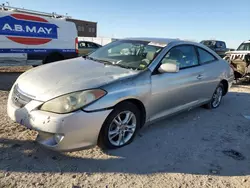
208	43
244	47
130	54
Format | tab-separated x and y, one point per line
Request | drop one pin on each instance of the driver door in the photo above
173	92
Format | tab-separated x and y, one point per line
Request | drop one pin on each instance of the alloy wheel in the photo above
217	97
122	128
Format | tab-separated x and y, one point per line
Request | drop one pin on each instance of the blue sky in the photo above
227	20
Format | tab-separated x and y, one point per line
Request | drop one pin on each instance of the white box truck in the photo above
33	38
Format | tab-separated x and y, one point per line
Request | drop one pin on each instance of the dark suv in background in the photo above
218	46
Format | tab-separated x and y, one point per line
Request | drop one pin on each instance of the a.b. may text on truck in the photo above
27	29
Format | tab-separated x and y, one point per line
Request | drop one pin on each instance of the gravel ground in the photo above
200	148
14	68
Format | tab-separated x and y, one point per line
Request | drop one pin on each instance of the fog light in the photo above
58	138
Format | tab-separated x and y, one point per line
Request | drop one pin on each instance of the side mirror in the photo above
168	67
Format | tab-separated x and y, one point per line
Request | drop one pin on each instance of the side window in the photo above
184	56
205	57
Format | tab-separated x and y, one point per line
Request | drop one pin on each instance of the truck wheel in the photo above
52	58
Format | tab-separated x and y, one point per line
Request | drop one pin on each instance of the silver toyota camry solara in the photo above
104	98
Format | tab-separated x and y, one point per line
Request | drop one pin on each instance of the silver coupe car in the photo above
104	98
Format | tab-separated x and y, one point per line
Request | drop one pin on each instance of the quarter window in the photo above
205	57
184	56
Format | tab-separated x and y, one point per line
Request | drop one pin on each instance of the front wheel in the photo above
216	98
120	127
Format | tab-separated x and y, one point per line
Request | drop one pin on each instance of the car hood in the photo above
55	79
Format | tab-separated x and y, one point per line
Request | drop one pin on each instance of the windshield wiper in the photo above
87	57
93	59
98	60
123	66
107	62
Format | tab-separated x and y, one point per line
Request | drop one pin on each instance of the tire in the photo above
217	93
52	58
111	129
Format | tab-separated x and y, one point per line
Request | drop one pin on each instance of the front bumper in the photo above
79	129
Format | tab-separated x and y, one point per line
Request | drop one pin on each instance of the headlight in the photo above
72	101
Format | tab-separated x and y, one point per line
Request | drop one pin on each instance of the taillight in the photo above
76	44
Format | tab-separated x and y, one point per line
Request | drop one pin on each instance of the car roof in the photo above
156	40
177	41
214	40
166	41
248	41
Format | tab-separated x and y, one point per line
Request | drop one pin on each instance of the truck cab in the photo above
218	46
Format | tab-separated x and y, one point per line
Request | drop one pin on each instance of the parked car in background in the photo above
34	38
240	60
218	46
106	97
85	47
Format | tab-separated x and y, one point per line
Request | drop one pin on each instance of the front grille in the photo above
19	98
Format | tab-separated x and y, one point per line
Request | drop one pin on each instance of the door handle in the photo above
199	77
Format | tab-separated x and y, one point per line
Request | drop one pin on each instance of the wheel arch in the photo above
225	85
135	102
139	105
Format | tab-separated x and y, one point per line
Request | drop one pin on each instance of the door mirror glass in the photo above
168	67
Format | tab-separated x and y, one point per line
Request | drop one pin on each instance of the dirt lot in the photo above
193	149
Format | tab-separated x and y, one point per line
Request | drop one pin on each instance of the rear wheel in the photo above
216	98
120	127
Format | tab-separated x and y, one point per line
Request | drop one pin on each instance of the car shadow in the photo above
200	141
